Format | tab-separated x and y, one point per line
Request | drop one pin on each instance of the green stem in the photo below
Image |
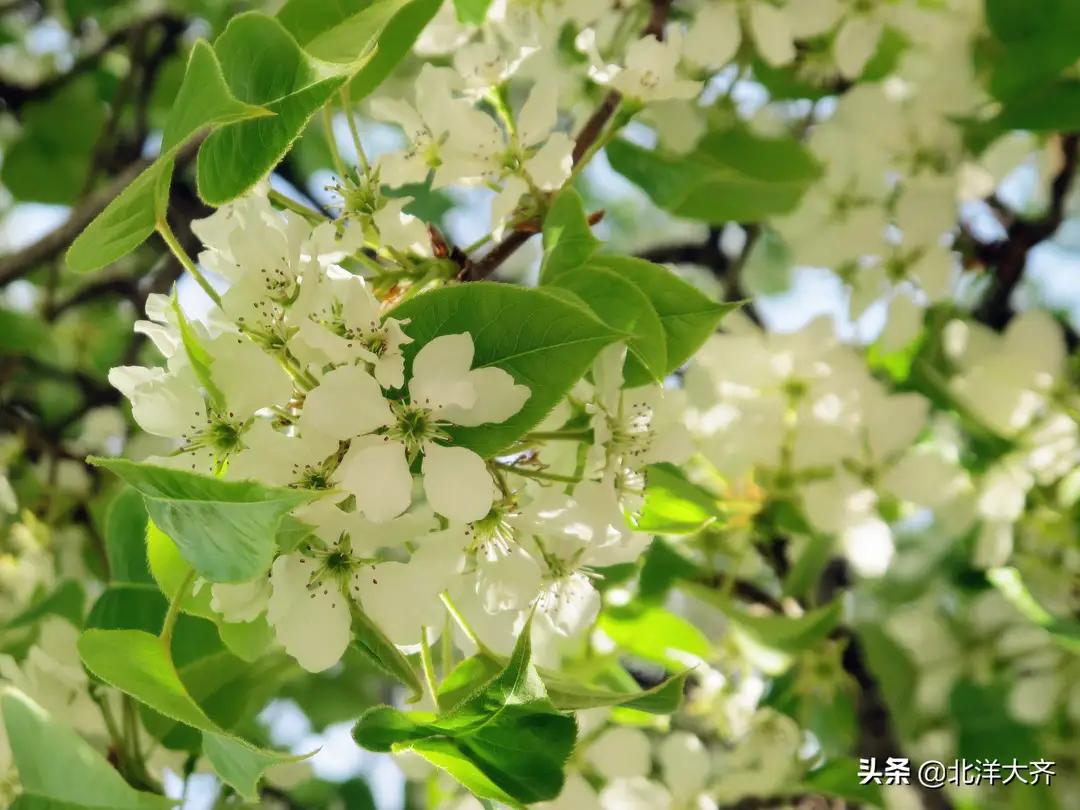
169	624
538	475
429	669
479	243
331	141
346	104
558	435
185	260
299	208
466	628
446	649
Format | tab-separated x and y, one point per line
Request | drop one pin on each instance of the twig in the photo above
1009	256
586	137
15	96
51	244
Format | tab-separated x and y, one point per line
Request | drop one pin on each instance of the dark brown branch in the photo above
586	137
1008	257
13	96
55	241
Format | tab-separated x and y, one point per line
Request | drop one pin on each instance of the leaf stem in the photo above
429	668
346	104
181	255
299	208
331	141
557	435
169	624
538	475
466	628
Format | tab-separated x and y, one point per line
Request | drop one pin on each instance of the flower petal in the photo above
457	483
312	625
346	403
377	473
439	373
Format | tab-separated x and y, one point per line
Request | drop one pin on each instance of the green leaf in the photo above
170	571
197	354
344	31
132	600
139	664
48	162
840	778
376	647
125	538
542	341
224	529
266	66
1031	48
985	730
238	764
472	12
624	307
568	238
1049	108
24	334
732	175
204	101
673	505
654	634
1065	632
786	634
395	43
66	600
568	693
687	314
663	567
506	742
58	769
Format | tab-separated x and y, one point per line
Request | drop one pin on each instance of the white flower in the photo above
635	427
315	589
685	764
620	752
348	326
650	72
443	390
172	403
714	36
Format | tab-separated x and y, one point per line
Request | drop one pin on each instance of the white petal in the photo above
620	752
552	164
498	398
772	34
685	763
240	602
855	44
247	376
401	598
457	483
377	473
539	112
347	402
439	373
811	18
313	626
506	580
714	36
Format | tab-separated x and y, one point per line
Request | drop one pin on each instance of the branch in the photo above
1009	256
15	96
49	246
586	137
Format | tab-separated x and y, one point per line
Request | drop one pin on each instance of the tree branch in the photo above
586	137
1009	256
51	244
15	96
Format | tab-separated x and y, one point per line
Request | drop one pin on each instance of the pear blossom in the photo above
650	72
716	32
387	436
